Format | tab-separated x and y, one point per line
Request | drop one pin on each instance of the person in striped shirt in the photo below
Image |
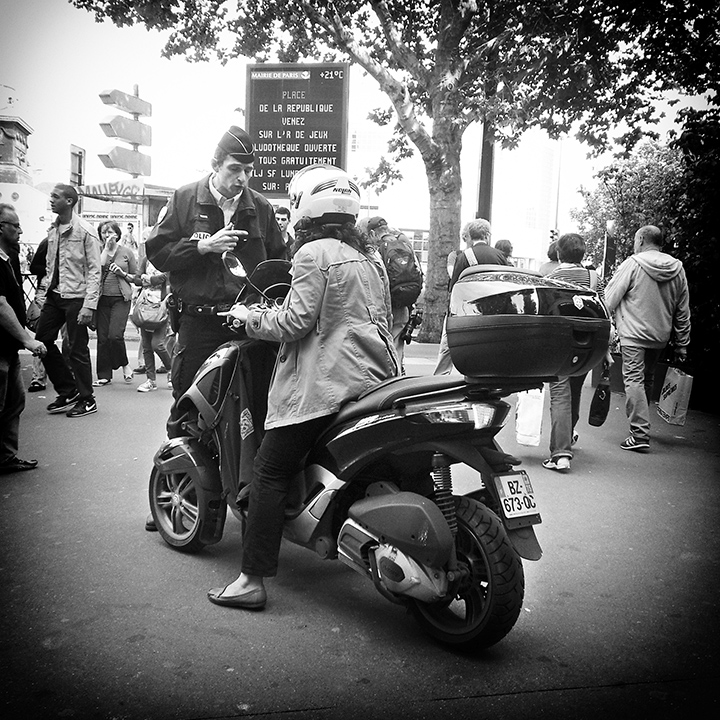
566	392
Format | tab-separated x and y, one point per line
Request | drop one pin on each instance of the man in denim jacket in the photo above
73	266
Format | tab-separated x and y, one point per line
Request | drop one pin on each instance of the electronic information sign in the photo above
296	116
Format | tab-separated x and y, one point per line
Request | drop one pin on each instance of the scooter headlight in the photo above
480	415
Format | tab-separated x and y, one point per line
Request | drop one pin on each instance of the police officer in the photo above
203	220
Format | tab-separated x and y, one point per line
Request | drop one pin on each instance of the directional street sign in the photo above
132	131
129	161
129	130
127	103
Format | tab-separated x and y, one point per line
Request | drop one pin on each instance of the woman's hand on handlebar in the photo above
236	316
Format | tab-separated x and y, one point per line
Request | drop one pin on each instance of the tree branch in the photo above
403	55
396	90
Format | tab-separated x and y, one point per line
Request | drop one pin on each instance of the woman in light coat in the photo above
335	330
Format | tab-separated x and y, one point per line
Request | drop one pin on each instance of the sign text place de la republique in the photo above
297	114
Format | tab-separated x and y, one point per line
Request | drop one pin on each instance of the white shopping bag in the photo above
528	416
675	396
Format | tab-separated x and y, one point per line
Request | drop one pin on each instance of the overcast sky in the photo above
58	60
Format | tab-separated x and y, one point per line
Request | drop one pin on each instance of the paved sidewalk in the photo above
621	617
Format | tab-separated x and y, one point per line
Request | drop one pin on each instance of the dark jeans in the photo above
276	465
111	321
12	403
76	374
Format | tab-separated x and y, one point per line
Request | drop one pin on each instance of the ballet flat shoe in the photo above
250	600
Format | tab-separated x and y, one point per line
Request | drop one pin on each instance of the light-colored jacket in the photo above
79	275
334	327
648	295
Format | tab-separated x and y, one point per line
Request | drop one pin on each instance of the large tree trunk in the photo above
445	186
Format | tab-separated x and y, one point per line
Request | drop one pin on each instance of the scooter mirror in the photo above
233	264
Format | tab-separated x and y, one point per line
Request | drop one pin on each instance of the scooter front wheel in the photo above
486	603
175	508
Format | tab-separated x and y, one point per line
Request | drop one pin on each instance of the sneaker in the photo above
62	404
139	370
170	387
632	443
147	386
83	407
161	370
560	464
36	386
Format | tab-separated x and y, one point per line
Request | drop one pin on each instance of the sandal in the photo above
101	382
128	378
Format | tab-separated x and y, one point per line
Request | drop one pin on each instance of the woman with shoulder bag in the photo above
152	336
565	393
114	305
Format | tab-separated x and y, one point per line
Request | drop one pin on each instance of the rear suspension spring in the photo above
442	481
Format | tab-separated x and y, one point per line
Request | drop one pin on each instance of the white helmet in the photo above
323	194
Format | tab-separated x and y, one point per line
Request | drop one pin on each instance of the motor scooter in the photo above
376	491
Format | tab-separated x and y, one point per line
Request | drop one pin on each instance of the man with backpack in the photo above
404	274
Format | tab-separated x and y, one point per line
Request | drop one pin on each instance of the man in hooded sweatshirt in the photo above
649	297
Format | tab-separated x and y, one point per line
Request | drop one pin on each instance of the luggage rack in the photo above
502	387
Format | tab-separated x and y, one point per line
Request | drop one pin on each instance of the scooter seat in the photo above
384	395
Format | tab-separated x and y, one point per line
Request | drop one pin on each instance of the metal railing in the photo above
29	285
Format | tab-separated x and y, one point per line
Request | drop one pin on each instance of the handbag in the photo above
675	396
32	315
600	403
148	314
529	415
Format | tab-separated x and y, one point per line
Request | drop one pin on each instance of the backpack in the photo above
404	273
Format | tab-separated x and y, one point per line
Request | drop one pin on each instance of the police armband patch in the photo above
197	236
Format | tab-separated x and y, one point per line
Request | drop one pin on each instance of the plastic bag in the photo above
528	416
675	396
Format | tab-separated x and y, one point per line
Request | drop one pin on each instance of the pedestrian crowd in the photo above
350	279
647	299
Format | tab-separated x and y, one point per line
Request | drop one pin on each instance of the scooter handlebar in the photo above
236	316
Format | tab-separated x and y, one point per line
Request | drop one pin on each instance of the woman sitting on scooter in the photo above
335	330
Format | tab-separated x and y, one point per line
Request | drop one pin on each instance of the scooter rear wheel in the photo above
487	604
174	506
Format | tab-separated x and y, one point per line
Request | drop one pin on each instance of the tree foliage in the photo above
675	186
515	64
696	241
444	64
643	188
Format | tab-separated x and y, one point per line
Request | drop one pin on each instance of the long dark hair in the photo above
347	233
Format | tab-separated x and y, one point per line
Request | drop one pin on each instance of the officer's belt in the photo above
204	309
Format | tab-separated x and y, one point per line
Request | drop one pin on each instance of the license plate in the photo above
516	495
